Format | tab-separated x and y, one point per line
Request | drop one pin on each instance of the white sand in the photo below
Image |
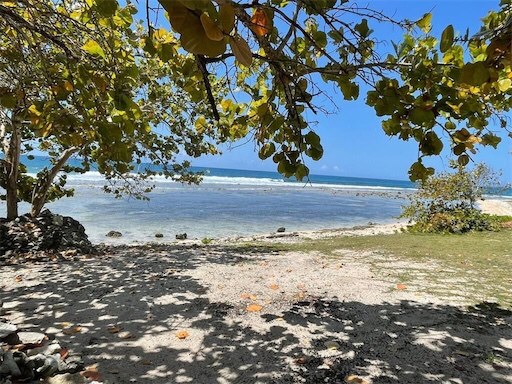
320	318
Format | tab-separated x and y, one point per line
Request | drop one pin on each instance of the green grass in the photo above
474	267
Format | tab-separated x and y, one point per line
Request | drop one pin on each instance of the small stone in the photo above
181	236
114	234
159	235
66	378
6	329
332	345
58	220
281	229
31	337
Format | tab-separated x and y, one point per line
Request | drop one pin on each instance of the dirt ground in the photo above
225	313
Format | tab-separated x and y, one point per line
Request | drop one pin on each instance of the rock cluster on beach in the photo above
32	356
46	233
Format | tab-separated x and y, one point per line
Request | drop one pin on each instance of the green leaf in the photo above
419	172
463	160
301	172
8	100
490	139
313	140
227	17
107	8
166	52
362	28
447	38
266	151
474	74
420	116
93	48
211	29
425	22
241	50
431	144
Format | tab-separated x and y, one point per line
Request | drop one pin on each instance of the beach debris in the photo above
254	308
114	329
114	234
72	330
281	229
274	287
32	356
181	236
182	335
91	372
353	379
248	296
18	278
401	287
159	235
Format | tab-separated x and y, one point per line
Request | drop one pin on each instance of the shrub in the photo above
447	203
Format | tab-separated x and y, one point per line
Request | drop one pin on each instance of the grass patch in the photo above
474	266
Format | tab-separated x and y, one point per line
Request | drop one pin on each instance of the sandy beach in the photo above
234	311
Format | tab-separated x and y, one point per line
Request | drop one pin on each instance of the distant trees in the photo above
80	78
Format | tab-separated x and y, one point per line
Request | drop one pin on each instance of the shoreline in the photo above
492	206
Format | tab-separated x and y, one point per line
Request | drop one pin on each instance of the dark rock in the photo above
181	236
45	233
7	329
114	234
159	235
281	229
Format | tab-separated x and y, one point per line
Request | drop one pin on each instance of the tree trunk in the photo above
12	148
43	185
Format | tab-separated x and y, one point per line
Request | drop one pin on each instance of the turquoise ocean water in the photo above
229	202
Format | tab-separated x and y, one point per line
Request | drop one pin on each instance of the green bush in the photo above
446	203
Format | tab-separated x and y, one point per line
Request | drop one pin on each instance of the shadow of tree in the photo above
149	293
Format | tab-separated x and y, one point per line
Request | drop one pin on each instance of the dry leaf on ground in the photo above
182	335
114	329
401	287
274	287
64	353
19	278
91	373
248	296
353	379
254	308
72	330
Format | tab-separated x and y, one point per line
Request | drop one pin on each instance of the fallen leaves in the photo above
72	330
353	379
401	287
18	278
91	373
254	308
182	335
114	329
274	287
247	296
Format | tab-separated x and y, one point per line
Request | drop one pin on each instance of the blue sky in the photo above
354	143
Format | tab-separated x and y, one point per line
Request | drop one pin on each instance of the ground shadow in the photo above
149	294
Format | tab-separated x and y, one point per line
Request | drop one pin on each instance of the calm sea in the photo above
229	202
